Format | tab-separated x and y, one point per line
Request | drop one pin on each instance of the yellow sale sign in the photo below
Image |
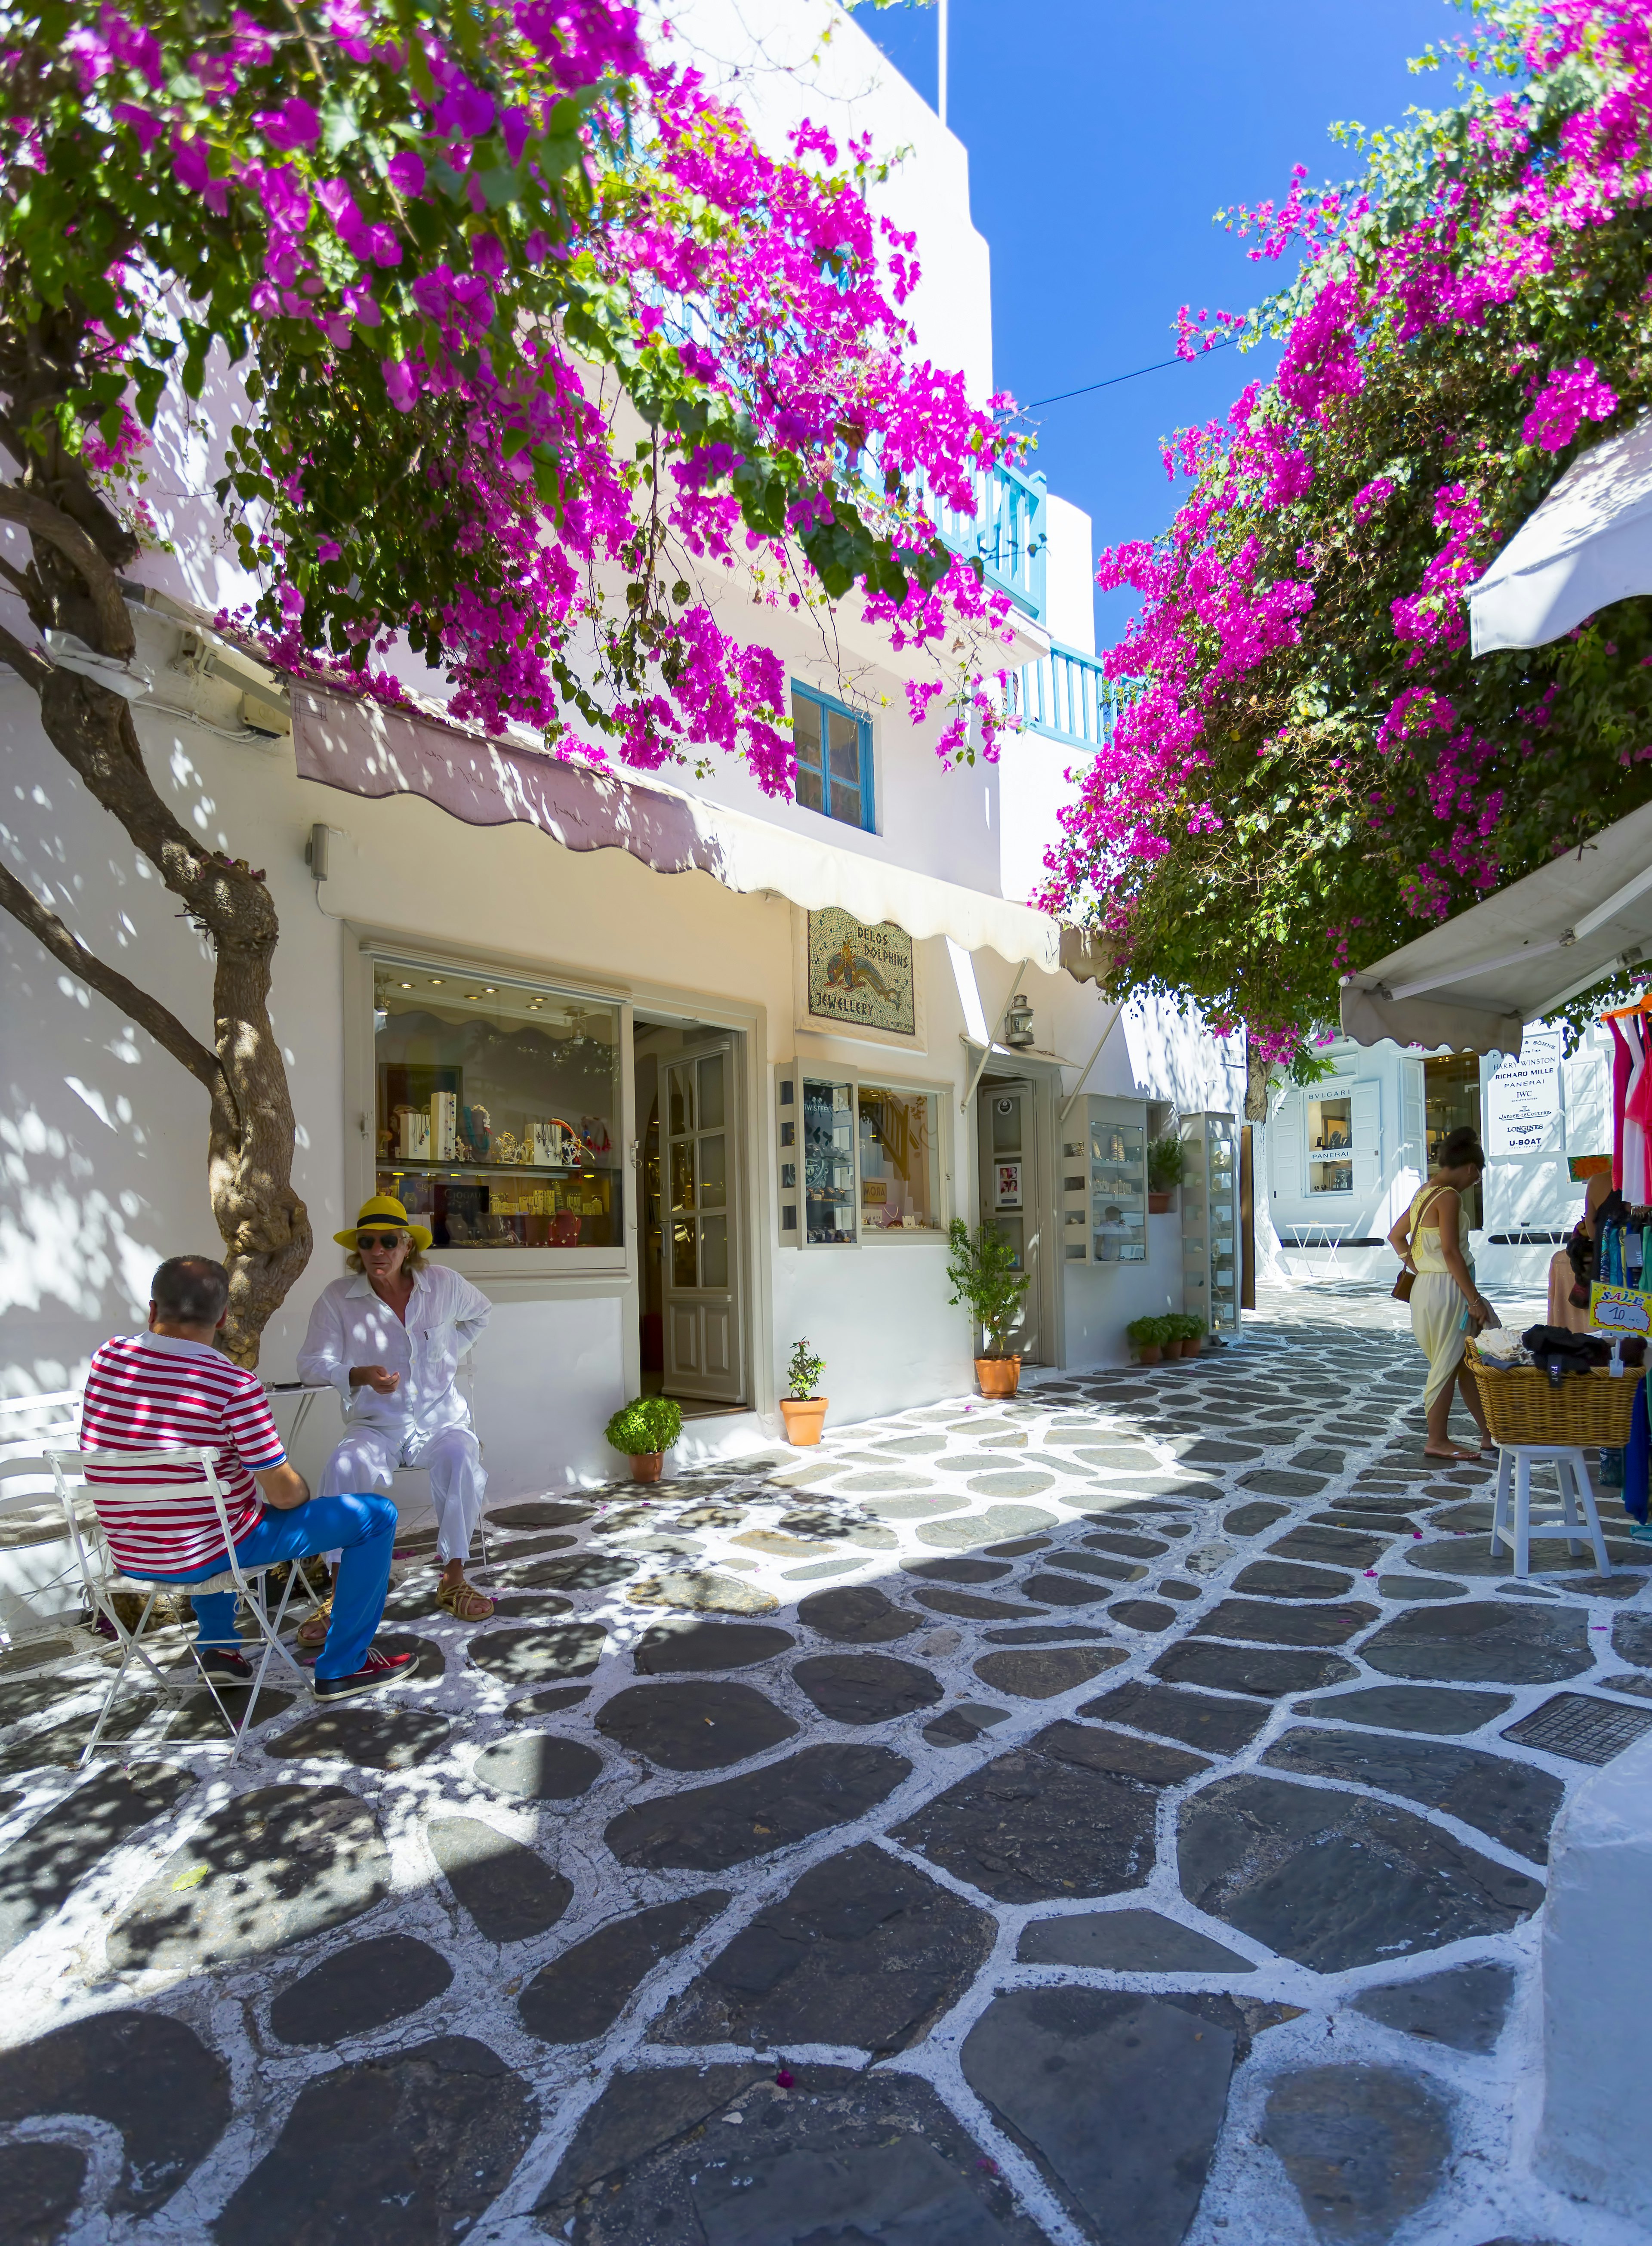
1619	1310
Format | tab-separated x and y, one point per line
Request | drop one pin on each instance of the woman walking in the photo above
1431	1241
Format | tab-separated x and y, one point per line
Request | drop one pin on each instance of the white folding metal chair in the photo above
104	1577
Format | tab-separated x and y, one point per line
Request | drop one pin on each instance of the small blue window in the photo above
834	759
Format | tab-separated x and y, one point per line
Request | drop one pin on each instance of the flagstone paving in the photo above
1118	1815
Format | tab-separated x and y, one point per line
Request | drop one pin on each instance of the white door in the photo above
1367	1138
1012	1192
700	1197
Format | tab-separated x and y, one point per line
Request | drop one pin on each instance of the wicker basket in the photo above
1523	1406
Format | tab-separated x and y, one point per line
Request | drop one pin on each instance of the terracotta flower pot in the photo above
645	1465
1192	1345
1147	1352
805	1415
1158	1203
998	1376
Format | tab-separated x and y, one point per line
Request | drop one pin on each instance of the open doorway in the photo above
691	1294
1450	1099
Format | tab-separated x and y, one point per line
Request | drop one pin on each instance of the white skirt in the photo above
1437	1309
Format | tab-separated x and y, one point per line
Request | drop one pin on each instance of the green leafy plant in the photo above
646	1424
982	1272
1147	1333
803	1372
1167	1162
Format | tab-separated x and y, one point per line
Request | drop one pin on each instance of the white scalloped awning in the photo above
370	750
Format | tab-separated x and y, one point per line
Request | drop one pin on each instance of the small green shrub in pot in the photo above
1166	1163
644	1430
1146	1337
803	1407
982	1274
803	1374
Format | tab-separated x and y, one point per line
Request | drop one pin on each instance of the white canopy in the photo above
1474	982
1588	544
370	750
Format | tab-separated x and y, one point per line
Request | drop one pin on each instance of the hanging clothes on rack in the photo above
1622	1062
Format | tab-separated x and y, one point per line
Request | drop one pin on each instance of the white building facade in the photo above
677	1075
1345	1155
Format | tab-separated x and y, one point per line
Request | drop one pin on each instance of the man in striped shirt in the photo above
172	1389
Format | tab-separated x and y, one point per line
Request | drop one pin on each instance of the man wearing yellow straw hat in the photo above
389	1339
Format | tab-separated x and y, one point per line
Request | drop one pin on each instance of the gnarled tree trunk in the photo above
71	585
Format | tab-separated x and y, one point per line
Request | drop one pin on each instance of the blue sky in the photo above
1102	138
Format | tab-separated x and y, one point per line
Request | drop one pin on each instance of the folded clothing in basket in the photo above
1499	1351
1557	1351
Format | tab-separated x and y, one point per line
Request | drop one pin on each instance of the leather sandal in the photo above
464	1601
312	1631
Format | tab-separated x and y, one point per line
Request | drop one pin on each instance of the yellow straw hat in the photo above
384	1213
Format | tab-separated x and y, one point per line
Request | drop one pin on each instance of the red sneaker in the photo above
378	1669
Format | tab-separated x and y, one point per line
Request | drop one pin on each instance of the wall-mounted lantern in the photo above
1018	1021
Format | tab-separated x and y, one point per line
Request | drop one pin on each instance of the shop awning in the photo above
1588	544
1474	982
368	750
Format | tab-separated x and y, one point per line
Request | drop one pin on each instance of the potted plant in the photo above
1190	1333
802	1410
1167	1159
645	1429
983	1274
1146	1337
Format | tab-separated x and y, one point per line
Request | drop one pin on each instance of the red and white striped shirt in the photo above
153	1392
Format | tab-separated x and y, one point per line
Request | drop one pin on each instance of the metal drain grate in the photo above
1580	1728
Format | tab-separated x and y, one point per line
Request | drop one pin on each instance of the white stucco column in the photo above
1597	1990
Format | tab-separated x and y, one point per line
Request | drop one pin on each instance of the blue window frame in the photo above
834	759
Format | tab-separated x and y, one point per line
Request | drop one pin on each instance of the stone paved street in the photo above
1112	1816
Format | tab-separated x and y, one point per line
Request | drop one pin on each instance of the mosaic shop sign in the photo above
858	975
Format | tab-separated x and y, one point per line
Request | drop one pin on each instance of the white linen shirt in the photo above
349	1326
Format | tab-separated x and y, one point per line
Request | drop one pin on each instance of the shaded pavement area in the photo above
1118	1815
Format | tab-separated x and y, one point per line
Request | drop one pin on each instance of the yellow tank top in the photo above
1426	1253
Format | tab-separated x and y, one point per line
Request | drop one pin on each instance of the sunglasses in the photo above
367	1242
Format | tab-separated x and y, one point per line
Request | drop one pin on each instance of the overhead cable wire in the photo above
1084	390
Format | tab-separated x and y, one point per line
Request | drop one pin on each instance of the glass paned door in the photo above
704	1354
1011	1191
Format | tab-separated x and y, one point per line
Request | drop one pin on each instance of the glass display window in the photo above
857	1162
828	1162
1330	1145
1118	1191
497	1108
1210	1220
900	1164
1104	1183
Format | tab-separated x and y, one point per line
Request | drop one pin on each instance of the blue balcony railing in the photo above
1006	532
1067	697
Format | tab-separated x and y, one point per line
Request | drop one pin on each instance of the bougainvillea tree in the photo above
531	342
1314	768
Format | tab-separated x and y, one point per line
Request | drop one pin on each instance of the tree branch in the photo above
31	666
166	1029
43	520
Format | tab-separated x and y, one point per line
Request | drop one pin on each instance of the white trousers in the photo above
368	1456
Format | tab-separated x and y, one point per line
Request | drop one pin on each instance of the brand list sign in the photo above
1523	1100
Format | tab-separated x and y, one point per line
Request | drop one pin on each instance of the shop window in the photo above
899	1172
1330	1146
834	759
857	1162
498	1120
828	1163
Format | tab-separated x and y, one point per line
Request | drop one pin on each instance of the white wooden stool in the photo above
1578	1518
